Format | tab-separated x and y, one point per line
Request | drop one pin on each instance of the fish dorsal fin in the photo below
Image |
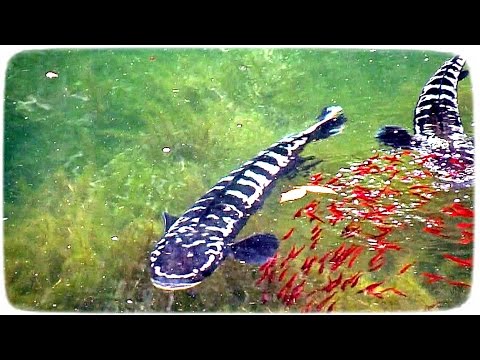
168	220
255	249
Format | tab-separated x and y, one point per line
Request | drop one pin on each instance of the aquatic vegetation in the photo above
86	179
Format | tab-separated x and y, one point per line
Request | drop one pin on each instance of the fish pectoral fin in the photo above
168	220
255	249
463	75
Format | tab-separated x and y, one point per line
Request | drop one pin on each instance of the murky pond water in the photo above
99	143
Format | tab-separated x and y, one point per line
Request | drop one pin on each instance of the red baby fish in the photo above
387	190
340	255
324	257
420	186
435	221
458	163
283	291
288	234
355	254
294	252
282	274
391	158
316	236
432	278
396	291
338	251
386	245
268	273
384	231
332	181
313	245
355	279
292	255
462	210
317	232
425	158
457	209
291	281
427	173
367	169
378	257
307	307
350	280
269	263
378	266
307	265
321	267
345	283
330	308
467	238
370	289
262	278
313	216
298	213
405	268
434	231
459	261
393	174
387	209
310	207
315	179
336	213
458	283
324	301
332	284
296	291
464	225
351	230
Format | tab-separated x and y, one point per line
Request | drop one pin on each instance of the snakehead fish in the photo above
438	128
197	242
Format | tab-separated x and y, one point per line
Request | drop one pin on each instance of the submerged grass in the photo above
86	180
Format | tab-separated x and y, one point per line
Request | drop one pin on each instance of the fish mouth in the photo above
171	286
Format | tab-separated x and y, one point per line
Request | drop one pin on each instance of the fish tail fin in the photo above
436	112
330	122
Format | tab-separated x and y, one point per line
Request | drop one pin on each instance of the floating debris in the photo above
301	191
51	74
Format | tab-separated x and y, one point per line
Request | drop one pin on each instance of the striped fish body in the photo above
196	243
438	128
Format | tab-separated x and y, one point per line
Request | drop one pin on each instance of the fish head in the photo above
394	136
179	263
332	120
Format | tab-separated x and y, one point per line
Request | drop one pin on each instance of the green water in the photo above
94	156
